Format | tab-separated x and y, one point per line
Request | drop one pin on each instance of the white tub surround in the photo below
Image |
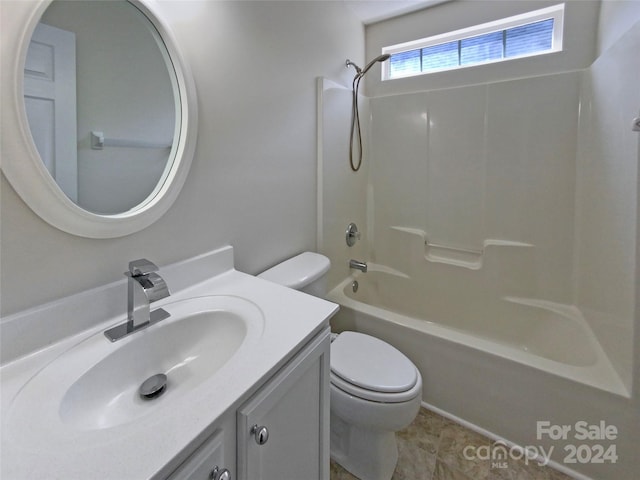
155	443
504	200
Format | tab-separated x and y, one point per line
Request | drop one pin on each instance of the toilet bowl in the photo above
375	389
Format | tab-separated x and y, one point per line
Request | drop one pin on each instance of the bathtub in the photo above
499	366
546	336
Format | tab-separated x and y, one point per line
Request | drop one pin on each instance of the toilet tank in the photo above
306	272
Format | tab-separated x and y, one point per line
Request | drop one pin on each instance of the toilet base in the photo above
366	453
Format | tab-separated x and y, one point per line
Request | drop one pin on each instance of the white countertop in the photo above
49	448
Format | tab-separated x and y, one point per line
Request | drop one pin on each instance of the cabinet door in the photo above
293	408
201	464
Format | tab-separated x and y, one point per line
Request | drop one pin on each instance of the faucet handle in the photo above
156	288
352	234
141	267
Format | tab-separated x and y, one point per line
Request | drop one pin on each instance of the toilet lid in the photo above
371	364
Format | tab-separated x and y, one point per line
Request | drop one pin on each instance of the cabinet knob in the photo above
219	474
261	434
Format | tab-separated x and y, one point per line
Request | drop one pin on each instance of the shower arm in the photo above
349	63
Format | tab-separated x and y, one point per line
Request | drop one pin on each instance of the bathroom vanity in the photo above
278	432
247	395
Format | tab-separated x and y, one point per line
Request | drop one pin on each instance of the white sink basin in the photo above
95	383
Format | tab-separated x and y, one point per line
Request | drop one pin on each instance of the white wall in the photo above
253	179
616	18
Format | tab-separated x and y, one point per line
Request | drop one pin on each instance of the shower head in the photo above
361	71
379	58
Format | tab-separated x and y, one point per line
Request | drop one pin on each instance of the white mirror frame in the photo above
25	171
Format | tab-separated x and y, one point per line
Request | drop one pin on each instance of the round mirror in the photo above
107	117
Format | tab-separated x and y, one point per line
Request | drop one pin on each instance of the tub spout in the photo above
362	266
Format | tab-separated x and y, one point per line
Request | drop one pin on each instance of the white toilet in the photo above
375	389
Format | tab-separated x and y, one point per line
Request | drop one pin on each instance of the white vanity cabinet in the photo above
281	432
238	351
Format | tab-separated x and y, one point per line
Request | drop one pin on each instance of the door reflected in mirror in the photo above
102	103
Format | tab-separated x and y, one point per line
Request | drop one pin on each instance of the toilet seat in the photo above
372	395
367	367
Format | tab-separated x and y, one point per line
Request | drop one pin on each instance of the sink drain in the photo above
153	386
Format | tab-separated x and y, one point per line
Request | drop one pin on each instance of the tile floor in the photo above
431	448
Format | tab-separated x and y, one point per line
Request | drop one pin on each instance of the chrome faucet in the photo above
362	266
144	287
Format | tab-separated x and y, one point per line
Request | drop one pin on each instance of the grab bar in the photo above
455	249
488	242
98	142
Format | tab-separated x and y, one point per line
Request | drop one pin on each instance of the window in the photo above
534	33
